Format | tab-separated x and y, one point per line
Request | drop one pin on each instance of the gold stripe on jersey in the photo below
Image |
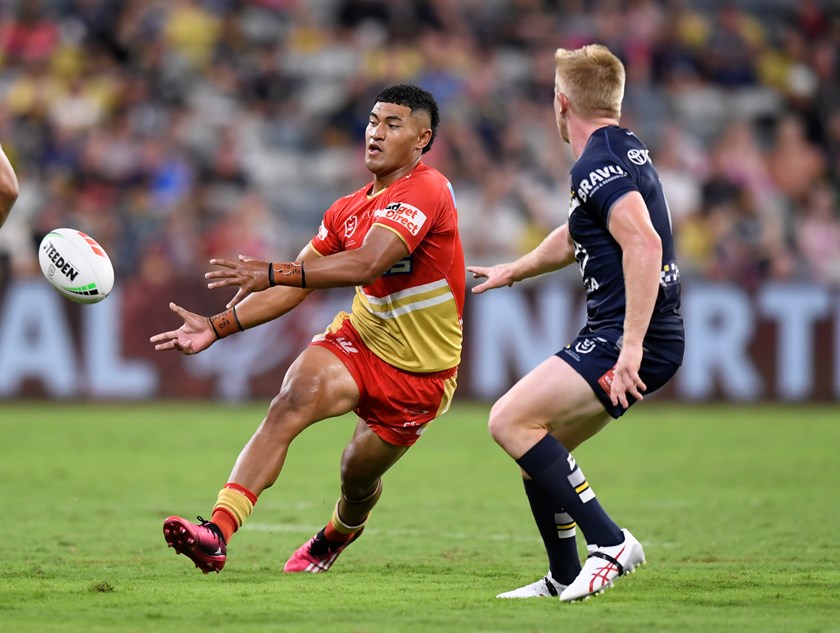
404	301
417	329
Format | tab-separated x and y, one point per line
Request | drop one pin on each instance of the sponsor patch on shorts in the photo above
606	381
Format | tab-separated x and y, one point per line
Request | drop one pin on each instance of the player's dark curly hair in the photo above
415	98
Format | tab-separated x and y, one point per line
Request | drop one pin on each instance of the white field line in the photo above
312	529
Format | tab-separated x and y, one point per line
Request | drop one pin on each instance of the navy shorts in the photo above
593	356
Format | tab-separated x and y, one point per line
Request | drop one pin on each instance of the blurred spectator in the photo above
491	217
30	36
191	31
794	163
730	56
818	234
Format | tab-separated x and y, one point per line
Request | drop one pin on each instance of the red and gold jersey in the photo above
411	316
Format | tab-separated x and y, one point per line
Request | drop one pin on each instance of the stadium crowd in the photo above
177	130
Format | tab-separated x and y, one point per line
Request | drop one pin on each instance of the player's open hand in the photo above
251	275
194	336
626	377
497	276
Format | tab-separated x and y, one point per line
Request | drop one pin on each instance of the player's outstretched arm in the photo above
251	276
381	249
267	299
199	332
195	335
553	253
9	187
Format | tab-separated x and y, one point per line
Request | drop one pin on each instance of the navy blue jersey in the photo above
614	163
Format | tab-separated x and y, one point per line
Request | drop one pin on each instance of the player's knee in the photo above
288	414
298	396
499	424
278	408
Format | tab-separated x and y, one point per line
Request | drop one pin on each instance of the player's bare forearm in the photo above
381	249
199	332
262	307
9	187
642	262
347	268
554	252
641	249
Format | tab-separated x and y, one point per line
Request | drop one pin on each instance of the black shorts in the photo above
593	356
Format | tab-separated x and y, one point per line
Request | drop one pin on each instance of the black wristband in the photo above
271	281
236	318
302	276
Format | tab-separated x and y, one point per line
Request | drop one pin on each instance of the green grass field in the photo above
737	508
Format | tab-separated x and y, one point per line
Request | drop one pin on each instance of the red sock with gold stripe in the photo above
233	505
337	531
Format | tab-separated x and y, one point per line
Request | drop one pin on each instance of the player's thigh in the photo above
552	396
365	459
316	386
573	435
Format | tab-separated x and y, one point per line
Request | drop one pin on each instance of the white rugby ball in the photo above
76	265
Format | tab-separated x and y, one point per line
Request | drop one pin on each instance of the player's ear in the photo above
564	102
424	137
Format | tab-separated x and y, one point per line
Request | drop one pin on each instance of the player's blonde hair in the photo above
593	80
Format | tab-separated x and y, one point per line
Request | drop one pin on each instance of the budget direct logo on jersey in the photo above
408	216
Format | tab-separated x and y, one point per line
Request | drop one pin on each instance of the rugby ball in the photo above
76	265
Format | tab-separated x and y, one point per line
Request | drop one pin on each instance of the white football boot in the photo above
603	566
545	587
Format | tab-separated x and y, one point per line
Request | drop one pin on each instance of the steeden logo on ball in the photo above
76	265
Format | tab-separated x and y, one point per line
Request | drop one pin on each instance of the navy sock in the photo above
558	533
550	465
